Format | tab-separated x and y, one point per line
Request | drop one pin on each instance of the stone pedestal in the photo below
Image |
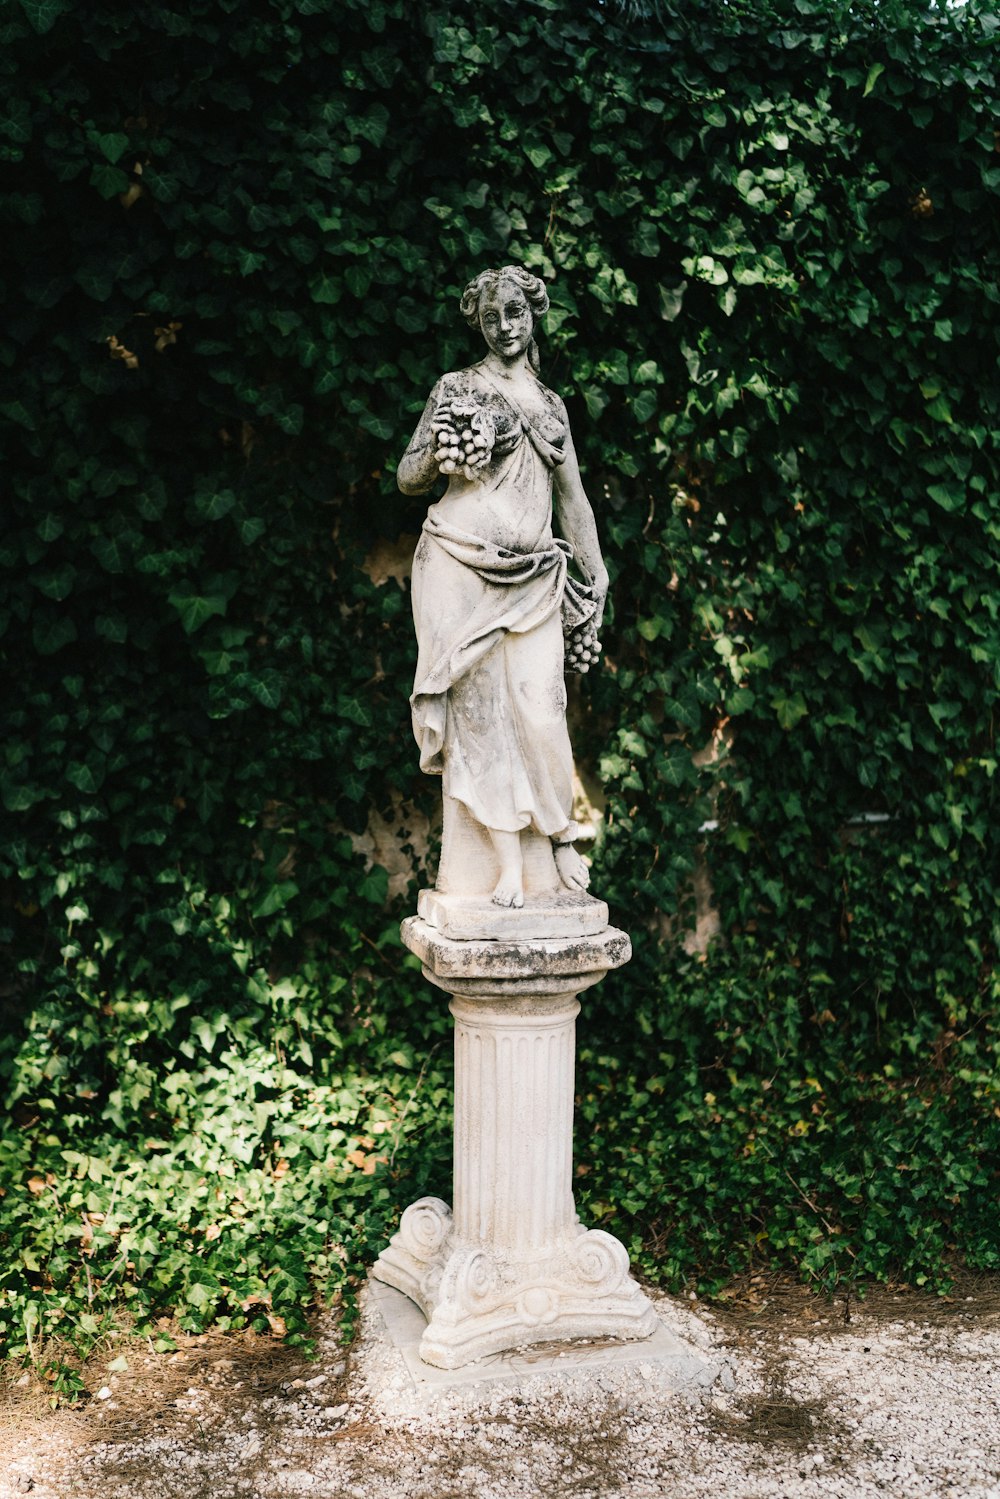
510	1264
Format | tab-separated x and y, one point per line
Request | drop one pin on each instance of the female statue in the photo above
492	594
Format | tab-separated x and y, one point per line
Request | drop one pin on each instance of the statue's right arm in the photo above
418	468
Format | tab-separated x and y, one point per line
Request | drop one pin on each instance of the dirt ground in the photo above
831	1397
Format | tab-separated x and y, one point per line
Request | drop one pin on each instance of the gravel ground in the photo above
903	1399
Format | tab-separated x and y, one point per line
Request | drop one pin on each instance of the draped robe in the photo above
490	587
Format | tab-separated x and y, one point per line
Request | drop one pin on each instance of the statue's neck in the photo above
517	370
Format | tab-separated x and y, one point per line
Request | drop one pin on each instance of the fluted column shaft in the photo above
513	1162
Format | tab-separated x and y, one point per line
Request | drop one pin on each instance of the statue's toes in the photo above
508	895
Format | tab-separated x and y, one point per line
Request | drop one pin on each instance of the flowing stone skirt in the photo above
494	724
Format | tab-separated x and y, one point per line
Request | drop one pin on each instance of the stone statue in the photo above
493	600
509	932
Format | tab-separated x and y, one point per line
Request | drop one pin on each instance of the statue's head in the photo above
504	305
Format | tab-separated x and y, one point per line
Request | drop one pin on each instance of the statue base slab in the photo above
555	913
676	1358
478	1302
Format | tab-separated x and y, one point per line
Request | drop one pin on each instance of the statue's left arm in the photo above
575	521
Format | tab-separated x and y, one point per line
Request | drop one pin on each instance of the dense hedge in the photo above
233	238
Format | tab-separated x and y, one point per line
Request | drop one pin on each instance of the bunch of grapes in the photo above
464	438
583	649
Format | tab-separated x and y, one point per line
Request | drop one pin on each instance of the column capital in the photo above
522	968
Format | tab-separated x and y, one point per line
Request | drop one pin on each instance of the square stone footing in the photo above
664	1357
555	913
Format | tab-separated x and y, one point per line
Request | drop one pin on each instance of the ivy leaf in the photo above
51	632
940	410
51	526
707	268
96	280
375	885
949	495
677	768
373	125
644	405
110	181
791	710
874	74
110	552
216	505
195	608
325	289
596	401
57	582
18	796
250	528
740	701
112	146
87	776
248	261
43	14
275	898
382	65
671	300
17	411
357	278
206	1032
267	688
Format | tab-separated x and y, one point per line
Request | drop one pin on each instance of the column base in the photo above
477	1304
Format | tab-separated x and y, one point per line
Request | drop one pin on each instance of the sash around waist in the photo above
496	564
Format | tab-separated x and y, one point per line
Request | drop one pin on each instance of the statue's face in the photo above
505	318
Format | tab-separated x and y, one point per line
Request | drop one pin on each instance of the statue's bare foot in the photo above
572	867
510	886
508	892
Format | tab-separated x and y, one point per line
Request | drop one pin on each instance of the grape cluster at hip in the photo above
583	649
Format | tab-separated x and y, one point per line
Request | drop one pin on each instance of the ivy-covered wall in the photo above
233	241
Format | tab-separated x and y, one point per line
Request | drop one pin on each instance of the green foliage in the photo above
231	258
745	1124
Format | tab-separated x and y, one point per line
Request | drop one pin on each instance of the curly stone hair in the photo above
533	288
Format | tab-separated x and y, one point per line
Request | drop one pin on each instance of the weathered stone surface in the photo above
670	1359
511	1264
479	1302
499	615
495	960
509	931
559	913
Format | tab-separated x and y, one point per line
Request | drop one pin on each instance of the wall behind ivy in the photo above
233	240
